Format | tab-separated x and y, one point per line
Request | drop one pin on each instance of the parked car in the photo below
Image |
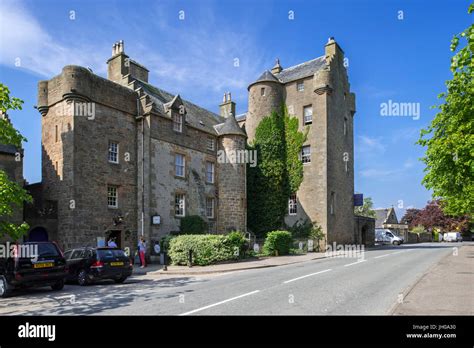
452	237
383	235
87	265
45	265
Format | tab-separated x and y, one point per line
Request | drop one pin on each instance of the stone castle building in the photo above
318	93
122	158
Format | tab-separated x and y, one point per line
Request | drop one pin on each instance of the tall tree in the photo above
432	216
366	209
278	173
449	139
12	195
410	216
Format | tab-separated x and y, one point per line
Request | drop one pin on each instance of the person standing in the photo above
111	243
141	251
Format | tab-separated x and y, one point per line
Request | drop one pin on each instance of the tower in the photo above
231	173
266	94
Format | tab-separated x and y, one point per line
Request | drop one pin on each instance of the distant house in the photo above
387	218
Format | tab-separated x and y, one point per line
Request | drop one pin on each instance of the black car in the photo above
34	264
87	265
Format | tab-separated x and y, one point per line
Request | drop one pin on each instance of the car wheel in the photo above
120	280
396	242
82	278
59	285
5	290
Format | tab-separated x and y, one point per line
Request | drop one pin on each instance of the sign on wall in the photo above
358	199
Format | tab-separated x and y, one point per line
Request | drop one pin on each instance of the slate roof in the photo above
241	117
302	70
196	116
230	126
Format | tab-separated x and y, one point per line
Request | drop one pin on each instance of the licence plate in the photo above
116	263
43	265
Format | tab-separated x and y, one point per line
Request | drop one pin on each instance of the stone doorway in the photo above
38	234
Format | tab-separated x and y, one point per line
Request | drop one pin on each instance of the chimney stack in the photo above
227	108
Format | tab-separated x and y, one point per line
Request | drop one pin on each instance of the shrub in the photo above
193	224
236	241
301	229
277	243
418	229
207	248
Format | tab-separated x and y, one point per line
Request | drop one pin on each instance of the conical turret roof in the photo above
230	126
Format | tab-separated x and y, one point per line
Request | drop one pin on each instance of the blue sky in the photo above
403	60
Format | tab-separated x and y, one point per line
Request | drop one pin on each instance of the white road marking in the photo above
305	276
219	303
376	257
397	252
354	263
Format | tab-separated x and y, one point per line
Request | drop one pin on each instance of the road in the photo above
331	286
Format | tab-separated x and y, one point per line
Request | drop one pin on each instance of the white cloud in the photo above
24	40
369	145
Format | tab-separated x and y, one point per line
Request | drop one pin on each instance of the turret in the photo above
231	174
265	96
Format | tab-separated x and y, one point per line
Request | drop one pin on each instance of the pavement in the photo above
341	285
447	288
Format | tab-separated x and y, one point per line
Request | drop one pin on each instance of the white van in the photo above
452	237
385	236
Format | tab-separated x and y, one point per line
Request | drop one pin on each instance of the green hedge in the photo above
207	248
278	243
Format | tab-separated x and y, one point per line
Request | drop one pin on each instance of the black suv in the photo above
33	264
87	265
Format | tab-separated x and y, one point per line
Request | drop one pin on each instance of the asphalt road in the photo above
331	286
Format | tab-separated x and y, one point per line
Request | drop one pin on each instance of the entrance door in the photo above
38	234
364	235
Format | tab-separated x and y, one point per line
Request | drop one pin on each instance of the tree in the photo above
366	209
432	216
410	216
278	173
449	139
12	195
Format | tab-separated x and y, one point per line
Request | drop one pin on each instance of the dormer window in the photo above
178	122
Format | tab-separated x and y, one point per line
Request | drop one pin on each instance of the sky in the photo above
397	52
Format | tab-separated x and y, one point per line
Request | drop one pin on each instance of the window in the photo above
345	125
300	86
67	254
262	91
112	200
332	203
308	114
292	206
306	154
179	165
210	208
210	172
211	227
210	144
113	152
178	122
78	254
56	134
179	204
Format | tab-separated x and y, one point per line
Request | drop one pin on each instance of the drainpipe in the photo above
143	169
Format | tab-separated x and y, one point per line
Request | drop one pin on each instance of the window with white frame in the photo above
113	152
300	86
210	202
292	205
210	172
211	144
306	154
179	165
112	198
179	204
308	114
178	122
